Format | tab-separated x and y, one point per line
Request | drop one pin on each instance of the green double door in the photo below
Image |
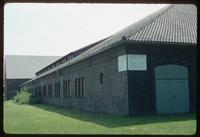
172	92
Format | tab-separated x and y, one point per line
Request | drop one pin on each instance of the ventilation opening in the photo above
101	78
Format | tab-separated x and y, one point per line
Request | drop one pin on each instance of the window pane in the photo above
137	62
83	86
76	87
44	91
40	91
68	88
122	63
64	88
79	88
50	90
58	89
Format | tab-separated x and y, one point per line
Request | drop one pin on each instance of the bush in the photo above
23	97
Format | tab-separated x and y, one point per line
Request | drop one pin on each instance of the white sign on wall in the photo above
132	62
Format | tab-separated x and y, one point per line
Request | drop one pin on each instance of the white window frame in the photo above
122	63
136	62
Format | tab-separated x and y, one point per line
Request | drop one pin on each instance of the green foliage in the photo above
22	97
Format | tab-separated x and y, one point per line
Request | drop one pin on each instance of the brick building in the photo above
148	67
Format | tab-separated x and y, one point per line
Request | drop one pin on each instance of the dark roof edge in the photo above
160	42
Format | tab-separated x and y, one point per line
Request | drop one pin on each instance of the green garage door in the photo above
171	89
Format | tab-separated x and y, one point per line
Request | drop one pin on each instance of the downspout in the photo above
59	73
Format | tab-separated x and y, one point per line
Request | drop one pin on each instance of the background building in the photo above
20	68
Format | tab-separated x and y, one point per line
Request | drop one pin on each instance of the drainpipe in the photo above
59	73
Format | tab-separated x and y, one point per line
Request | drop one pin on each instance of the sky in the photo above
58	29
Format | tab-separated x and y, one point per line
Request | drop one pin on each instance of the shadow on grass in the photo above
111	120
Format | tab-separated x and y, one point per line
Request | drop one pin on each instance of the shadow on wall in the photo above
111	120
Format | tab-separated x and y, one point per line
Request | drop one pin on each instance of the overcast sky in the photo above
57	29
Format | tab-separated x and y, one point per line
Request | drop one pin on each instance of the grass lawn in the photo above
43	119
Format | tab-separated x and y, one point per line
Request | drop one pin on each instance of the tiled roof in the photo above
23	66
174	23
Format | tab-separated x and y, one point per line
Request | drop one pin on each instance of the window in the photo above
32	92
63	60
76	87
57	89
137	62
66	88
50	94
36	92
44	91
80	87
122	63
83	86
70	57
40	92
132	62
101	78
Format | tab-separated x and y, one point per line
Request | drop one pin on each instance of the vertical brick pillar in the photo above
61	89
